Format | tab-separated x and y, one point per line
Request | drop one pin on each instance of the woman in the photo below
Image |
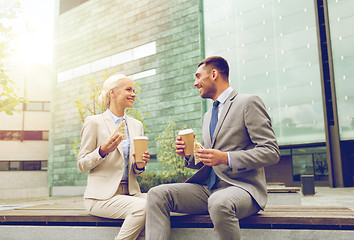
112	189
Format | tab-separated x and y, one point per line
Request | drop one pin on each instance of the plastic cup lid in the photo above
185	131
141	137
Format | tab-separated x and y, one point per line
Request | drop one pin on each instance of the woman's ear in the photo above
111	92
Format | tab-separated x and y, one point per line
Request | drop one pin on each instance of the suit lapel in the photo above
111	126
223	114
206	133
132	133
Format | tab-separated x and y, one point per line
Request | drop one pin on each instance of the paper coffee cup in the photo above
188	139
140	146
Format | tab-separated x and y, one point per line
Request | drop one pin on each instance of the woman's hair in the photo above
110	83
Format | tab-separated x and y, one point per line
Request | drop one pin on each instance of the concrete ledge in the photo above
65	218
281	195
68	191
275	217
103	233
292	198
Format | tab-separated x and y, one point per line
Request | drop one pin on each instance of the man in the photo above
230	184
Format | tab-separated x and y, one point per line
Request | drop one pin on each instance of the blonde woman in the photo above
112	189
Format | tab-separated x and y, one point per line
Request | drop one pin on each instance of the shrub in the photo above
173	165
149	180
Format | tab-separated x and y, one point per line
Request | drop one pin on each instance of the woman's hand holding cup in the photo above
145	160
141	155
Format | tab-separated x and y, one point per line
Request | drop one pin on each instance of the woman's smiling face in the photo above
124	95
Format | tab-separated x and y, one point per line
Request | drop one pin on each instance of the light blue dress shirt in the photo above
125	144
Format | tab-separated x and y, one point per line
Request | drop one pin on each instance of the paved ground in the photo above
330	197
324	196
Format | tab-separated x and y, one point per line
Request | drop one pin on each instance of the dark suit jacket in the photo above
244	130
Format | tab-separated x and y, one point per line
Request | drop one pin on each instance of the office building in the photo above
296	55
24	135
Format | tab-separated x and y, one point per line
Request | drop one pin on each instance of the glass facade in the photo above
310	161
341	21
272	49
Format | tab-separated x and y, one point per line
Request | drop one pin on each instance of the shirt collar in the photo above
117	119
224	95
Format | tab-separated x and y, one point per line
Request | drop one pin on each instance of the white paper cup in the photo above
188	139
140	146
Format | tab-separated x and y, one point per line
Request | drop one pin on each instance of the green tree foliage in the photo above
173	164
8	90
89	105
8	96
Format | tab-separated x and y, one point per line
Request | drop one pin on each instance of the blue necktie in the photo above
214	120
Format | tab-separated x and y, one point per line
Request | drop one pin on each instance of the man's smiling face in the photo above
204	82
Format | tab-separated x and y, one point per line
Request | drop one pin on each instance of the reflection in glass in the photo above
272	50
310	161
341	20
321	166
302	165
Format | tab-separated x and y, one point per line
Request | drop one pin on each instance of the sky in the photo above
35	30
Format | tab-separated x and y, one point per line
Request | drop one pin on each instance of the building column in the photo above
334	158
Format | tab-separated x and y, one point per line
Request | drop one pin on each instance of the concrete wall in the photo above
24	151
23	185
97	36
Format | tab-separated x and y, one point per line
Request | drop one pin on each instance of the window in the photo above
37	106
45	135
31	165
66	5
34	106
24	135
10	135
310	161
15	166
272	48
320	166
302	165
44	165
46	106
32	135
4	166
23	165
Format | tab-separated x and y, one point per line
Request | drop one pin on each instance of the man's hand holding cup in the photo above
185	143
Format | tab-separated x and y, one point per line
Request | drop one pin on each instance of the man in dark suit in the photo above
238	143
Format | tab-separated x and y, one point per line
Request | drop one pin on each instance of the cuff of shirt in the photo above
100	154
140	169
239	168
228	159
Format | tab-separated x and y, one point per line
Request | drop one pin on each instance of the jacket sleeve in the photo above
89	156
190	163
264	150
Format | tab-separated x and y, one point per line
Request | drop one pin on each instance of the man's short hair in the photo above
217	63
